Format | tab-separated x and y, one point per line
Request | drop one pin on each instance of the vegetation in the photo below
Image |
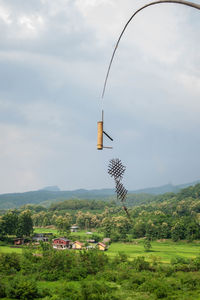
93	275
153	255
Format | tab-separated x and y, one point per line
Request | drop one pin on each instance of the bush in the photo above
22	288
179	260
70	291
95	237
140	264
156	287
195	264
120	258
180	264
96	290
9	263
2	290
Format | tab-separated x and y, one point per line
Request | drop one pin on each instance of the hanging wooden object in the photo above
100	133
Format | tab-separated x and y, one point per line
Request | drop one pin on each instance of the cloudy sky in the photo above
53	60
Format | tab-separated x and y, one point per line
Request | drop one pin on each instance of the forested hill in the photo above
47	196
167	188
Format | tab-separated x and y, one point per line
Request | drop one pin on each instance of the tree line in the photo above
174	216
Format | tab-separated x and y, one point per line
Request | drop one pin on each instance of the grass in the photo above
7	249
81	233
163	250
46	230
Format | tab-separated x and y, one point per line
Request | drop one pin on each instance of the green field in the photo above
81	233
164	251
8	249
45	230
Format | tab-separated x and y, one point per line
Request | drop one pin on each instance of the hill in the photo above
167	188
52	194
46	197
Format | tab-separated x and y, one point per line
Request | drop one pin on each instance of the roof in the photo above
105	240
101	244
63	239
74	226
39	234
77	242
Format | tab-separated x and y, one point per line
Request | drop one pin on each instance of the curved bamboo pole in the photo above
187	3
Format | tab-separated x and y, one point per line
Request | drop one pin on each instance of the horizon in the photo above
99	189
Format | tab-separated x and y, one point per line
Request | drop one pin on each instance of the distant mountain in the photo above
168	188
53	188
52	194
46	197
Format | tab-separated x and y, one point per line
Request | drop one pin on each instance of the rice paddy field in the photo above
162	251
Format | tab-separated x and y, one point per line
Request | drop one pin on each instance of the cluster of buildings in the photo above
63	243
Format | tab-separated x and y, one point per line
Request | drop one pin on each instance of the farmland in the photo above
164	251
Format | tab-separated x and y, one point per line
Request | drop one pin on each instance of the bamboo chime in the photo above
100	133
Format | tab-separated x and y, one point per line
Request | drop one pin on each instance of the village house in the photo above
74	228
77	245
91	241
101	246
61	243
19	241
40	237
106	241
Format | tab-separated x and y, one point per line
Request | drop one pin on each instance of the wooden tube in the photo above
100	135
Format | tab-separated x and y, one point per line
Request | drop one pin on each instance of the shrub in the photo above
195	264
70	291
180	264
161	292
95	237
22	288
9	263
179	260
96	290
2	290
156	287
120	258
140	264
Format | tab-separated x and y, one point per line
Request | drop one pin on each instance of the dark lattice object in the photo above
121	191
116	169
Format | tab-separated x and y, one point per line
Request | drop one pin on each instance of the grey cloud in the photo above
50	87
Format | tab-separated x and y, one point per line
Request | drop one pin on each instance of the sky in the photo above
53	59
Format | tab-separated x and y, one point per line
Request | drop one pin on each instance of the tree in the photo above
10	222
25	224
147	245
63	224
178	231
107	225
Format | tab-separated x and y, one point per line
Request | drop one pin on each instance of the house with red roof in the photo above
60	243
